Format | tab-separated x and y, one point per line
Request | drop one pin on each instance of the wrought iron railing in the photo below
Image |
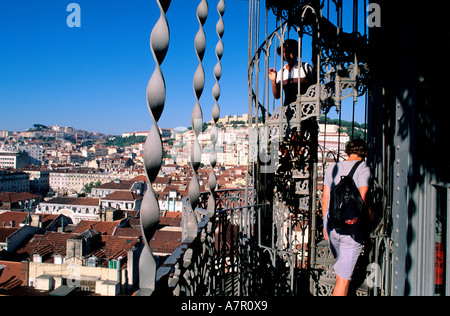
205	263
226	257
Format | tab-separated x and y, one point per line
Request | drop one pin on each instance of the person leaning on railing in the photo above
290	74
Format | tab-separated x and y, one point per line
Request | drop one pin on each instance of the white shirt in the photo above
290	81
293	73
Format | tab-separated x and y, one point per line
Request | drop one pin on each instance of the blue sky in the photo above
95	77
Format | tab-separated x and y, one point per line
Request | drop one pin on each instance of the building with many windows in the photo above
77	209
13	159
39	179
14	181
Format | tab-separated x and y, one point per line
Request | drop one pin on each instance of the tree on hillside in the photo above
88	187
125	141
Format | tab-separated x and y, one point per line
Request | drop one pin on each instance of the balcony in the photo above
227	256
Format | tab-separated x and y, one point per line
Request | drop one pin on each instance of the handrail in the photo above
181	273
226	256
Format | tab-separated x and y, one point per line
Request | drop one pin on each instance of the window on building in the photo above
37	258
113	264
58	259
92	262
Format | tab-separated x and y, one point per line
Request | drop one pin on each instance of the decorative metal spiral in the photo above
153	150
197	117
290	10
212	181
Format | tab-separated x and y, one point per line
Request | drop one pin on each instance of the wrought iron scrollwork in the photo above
153	150
290	10
212	181
197	117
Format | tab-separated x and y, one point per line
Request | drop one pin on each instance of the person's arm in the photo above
273	80
364	184
364	191
325	201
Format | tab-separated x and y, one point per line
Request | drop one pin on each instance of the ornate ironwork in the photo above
207	263
188	271
153	150
212	181
197	116
227	259
339	60
289	10
247	240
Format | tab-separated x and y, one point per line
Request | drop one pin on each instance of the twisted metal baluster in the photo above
153	150
212	181
197	117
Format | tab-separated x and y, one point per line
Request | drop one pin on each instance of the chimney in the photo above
36	220
74	253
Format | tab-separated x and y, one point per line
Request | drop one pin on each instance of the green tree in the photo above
88	187
125	141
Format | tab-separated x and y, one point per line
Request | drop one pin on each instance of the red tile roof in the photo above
11	197
113	248
122	196
50	244
10	275
104	228
17	217
122	185
162	180
170	221
20	217
27	248
47	219
74	201
128	232
165	241
140	178
6	232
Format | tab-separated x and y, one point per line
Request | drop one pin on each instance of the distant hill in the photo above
359	131
125	141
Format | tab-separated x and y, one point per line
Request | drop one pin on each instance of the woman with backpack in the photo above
344	209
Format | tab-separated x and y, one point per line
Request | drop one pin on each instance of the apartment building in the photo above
35	154
77	209
73	180
39	178
14	181
22	202
134	185
13	159
122	200
231	147
90	261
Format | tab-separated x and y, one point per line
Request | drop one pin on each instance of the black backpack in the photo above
347	212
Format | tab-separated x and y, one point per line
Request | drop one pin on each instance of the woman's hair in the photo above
357	147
